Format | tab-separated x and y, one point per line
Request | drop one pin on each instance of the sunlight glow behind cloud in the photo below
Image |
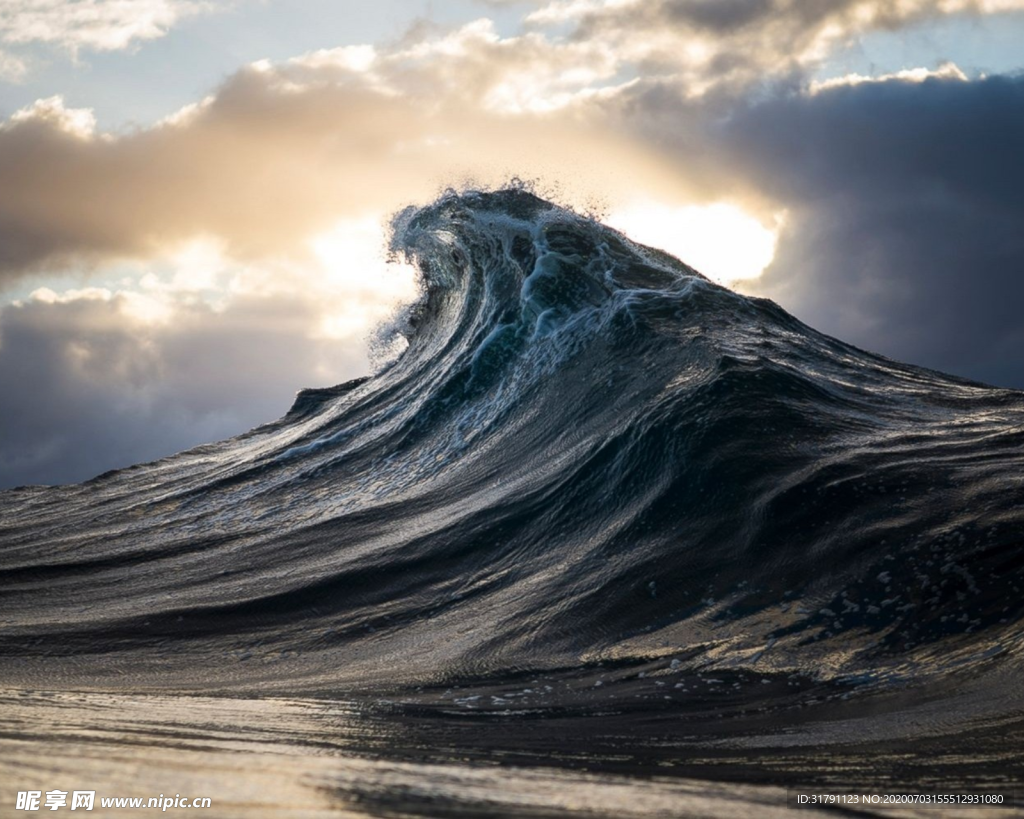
721	241
361	285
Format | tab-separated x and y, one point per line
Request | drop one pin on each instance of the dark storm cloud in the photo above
87	389
906	217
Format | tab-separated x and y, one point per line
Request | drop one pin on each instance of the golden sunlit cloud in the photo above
345	280
722	241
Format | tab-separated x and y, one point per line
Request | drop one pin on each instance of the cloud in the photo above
275	176
186	348
946	71
706	44
101	25
253	209
97	25
279	153
102	382
905	201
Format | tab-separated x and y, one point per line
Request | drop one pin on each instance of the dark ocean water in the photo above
606	539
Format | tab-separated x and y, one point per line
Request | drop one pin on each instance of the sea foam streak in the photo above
593	476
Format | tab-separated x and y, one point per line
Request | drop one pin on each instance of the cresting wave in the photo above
592	467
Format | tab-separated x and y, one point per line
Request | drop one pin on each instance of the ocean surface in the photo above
600	538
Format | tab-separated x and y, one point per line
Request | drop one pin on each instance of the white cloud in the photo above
472	63
946	71
79	122
102	25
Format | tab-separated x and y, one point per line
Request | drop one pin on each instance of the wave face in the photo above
590	462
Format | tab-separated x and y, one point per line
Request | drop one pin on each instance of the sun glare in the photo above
722	241
362	286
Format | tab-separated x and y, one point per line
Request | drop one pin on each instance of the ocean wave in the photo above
590	462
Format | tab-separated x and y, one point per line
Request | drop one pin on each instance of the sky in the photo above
194	193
